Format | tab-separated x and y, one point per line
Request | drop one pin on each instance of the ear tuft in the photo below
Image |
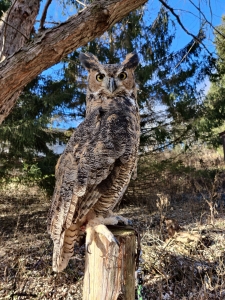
89	61
131	61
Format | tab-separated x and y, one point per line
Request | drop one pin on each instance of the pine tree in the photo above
213	118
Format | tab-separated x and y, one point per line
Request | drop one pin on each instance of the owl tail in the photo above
64	247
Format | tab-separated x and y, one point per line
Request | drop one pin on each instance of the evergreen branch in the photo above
41	27
171	143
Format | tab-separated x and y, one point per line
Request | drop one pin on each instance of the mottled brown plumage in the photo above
93	172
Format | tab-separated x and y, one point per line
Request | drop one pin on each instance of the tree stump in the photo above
109	269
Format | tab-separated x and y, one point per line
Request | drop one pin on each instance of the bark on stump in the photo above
109	269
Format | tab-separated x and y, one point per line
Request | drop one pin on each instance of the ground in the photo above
183	255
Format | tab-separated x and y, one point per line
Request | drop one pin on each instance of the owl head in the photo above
110	80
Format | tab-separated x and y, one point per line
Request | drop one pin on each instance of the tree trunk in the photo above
51	45
109	269
16	26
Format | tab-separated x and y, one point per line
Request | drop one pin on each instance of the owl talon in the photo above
116	241
87	248
123	221
130	222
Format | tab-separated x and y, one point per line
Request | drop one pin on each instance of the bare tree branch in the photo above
83	4
206	20
44	14
182	26
183	58
210	8
48	22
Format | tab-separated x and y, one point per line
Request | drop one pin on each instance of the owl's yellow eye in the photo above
100	77
122	75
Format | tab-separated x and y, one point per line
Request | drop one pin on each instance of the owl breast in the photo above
113	140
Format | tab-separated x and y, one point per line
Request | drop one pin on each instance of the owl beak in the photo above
111	85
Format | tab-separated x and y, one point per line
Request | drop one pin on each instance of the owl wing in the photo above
87	160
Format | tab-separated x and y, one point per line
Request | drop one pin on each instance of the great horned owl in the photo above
95	169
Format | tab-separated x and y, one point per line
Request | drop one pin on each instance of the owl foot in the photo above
98	225
114	219
124	221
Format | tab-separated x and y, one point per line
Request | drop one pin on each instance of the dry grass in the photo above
189	265
26	251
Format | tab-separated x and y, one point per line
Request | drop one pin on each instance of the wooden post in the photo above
222	135
109	269
223	141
